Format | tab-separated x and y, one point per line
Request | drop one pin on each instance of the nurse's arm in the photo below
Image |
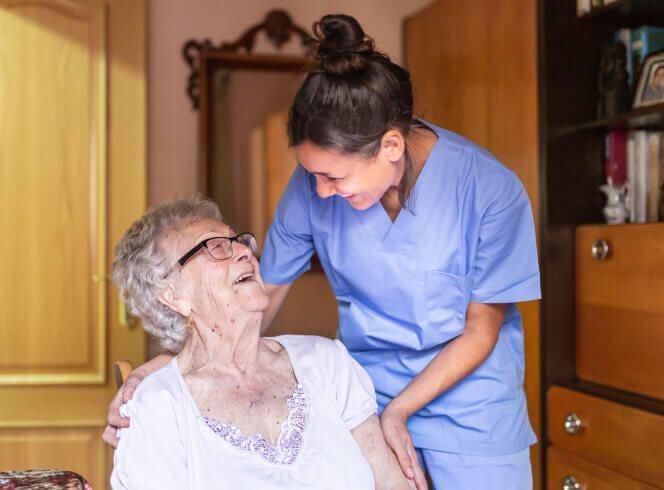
277	294
455	361
386	471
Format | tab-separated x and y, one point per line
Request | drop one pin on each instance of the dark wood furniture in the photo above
602	319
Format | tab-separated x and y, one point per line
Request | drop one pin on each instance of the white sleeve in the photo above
150	453
352	387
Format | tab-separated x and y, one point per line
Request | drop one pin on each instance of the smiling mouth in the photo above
249	276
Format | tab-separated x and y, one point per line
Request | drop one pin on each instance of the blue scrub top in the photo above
403	287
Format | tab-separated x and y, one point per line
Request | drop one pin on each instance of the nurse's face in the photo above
361	181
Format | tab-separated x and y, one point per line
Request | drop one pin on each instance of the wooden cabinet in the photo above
619	307
567	471
602	313
607	433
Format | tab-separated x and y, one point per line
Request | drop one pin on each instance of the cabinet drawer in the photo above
564	467
620	308
624	439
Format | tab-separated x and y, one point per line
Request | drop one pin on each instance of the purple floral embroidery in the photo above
290	440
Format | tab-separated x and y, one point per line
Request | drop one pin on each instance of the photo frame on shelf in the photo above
650	89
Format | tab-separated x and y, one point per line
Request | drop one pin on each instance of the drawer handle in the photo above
600	250
571	483
572	424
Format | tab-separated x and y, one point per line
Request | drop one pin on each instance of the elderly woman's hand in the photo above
393	423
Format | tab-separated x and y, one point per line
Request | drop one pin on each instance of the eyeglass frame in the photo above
203	244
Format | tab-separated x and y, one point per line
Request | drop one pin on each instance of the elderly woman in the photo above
233	409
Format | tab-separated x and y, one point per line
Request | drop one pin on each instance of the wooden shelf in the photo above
628	13
618	396
649	117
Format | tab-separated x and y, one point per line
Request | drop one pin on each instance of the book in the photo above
641	177
616	157
639	43
653	175
631	175
637	155
625	36
644	41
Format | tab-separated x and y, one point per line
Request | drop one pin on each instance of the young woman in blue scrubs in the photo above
428	242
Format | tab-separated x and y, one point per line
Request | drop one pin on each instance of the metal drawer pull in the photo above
600	250
570	483
572	424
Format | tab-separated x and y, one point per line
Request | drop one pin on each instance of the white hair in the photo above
140	268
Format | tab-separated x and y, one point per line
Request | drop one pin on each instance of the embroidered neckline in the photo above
290	441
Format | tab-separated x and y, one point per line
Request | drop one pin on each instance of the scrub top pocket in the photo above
446	301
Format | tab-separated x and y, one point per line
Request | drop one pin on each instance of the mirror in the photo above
243	98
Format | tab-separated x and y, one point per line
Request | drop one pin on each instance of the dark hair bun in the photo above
343	47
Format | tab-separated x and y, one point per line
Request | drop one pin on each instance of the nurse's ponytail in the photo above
352	96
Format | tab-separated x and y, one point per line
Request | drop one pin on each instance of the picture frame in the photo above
650	89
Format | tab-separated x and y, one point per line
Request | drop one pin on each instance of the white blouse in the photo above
170	445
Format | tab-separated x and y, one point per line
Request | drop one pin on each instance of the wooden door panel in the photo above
77	449
52	196
69	188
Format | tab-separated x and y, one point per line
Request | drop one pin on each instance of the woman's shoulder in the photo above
164	382
480	173
306	345
312	352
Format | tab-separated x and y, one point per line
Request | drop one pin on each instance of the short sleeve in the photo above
150	452
352	387
506	269
288	244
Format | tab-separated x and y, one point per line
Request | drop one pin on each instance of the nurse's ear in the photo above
393	145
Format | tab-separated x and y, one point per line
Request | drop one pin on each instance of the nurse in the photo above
428	242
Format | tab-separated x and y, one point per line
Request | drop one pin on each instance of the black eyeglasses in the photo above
220	247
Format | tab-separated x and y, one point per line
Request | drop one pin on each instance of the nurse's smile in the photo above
360	180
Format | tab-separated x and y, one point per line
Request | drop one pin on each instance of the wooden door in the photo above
474	71
72	177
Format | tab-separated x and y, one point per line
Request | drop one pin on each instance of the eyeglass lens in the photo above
222	248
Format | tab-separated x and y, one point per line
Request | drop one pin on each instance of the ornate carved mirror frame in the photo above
204	59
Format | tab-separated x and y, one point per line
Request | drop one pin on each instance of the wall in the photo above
172	124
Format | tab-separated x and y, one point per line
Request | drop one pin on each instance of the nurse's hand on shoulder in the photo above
115	420
396	434
124	394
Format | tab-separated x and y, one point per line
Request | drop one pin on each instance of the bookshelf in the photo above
649	117
595	351
627	13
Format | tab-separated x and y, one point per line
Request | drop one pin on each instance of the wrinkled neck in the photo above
224	346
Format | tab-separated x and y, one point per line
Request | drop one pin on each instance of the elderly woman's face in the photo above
216	288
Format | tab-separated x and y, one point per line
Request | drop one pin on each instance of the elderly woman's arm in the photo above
386	469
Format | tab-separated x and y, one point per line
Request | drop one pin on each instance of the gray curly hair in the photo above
140	267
